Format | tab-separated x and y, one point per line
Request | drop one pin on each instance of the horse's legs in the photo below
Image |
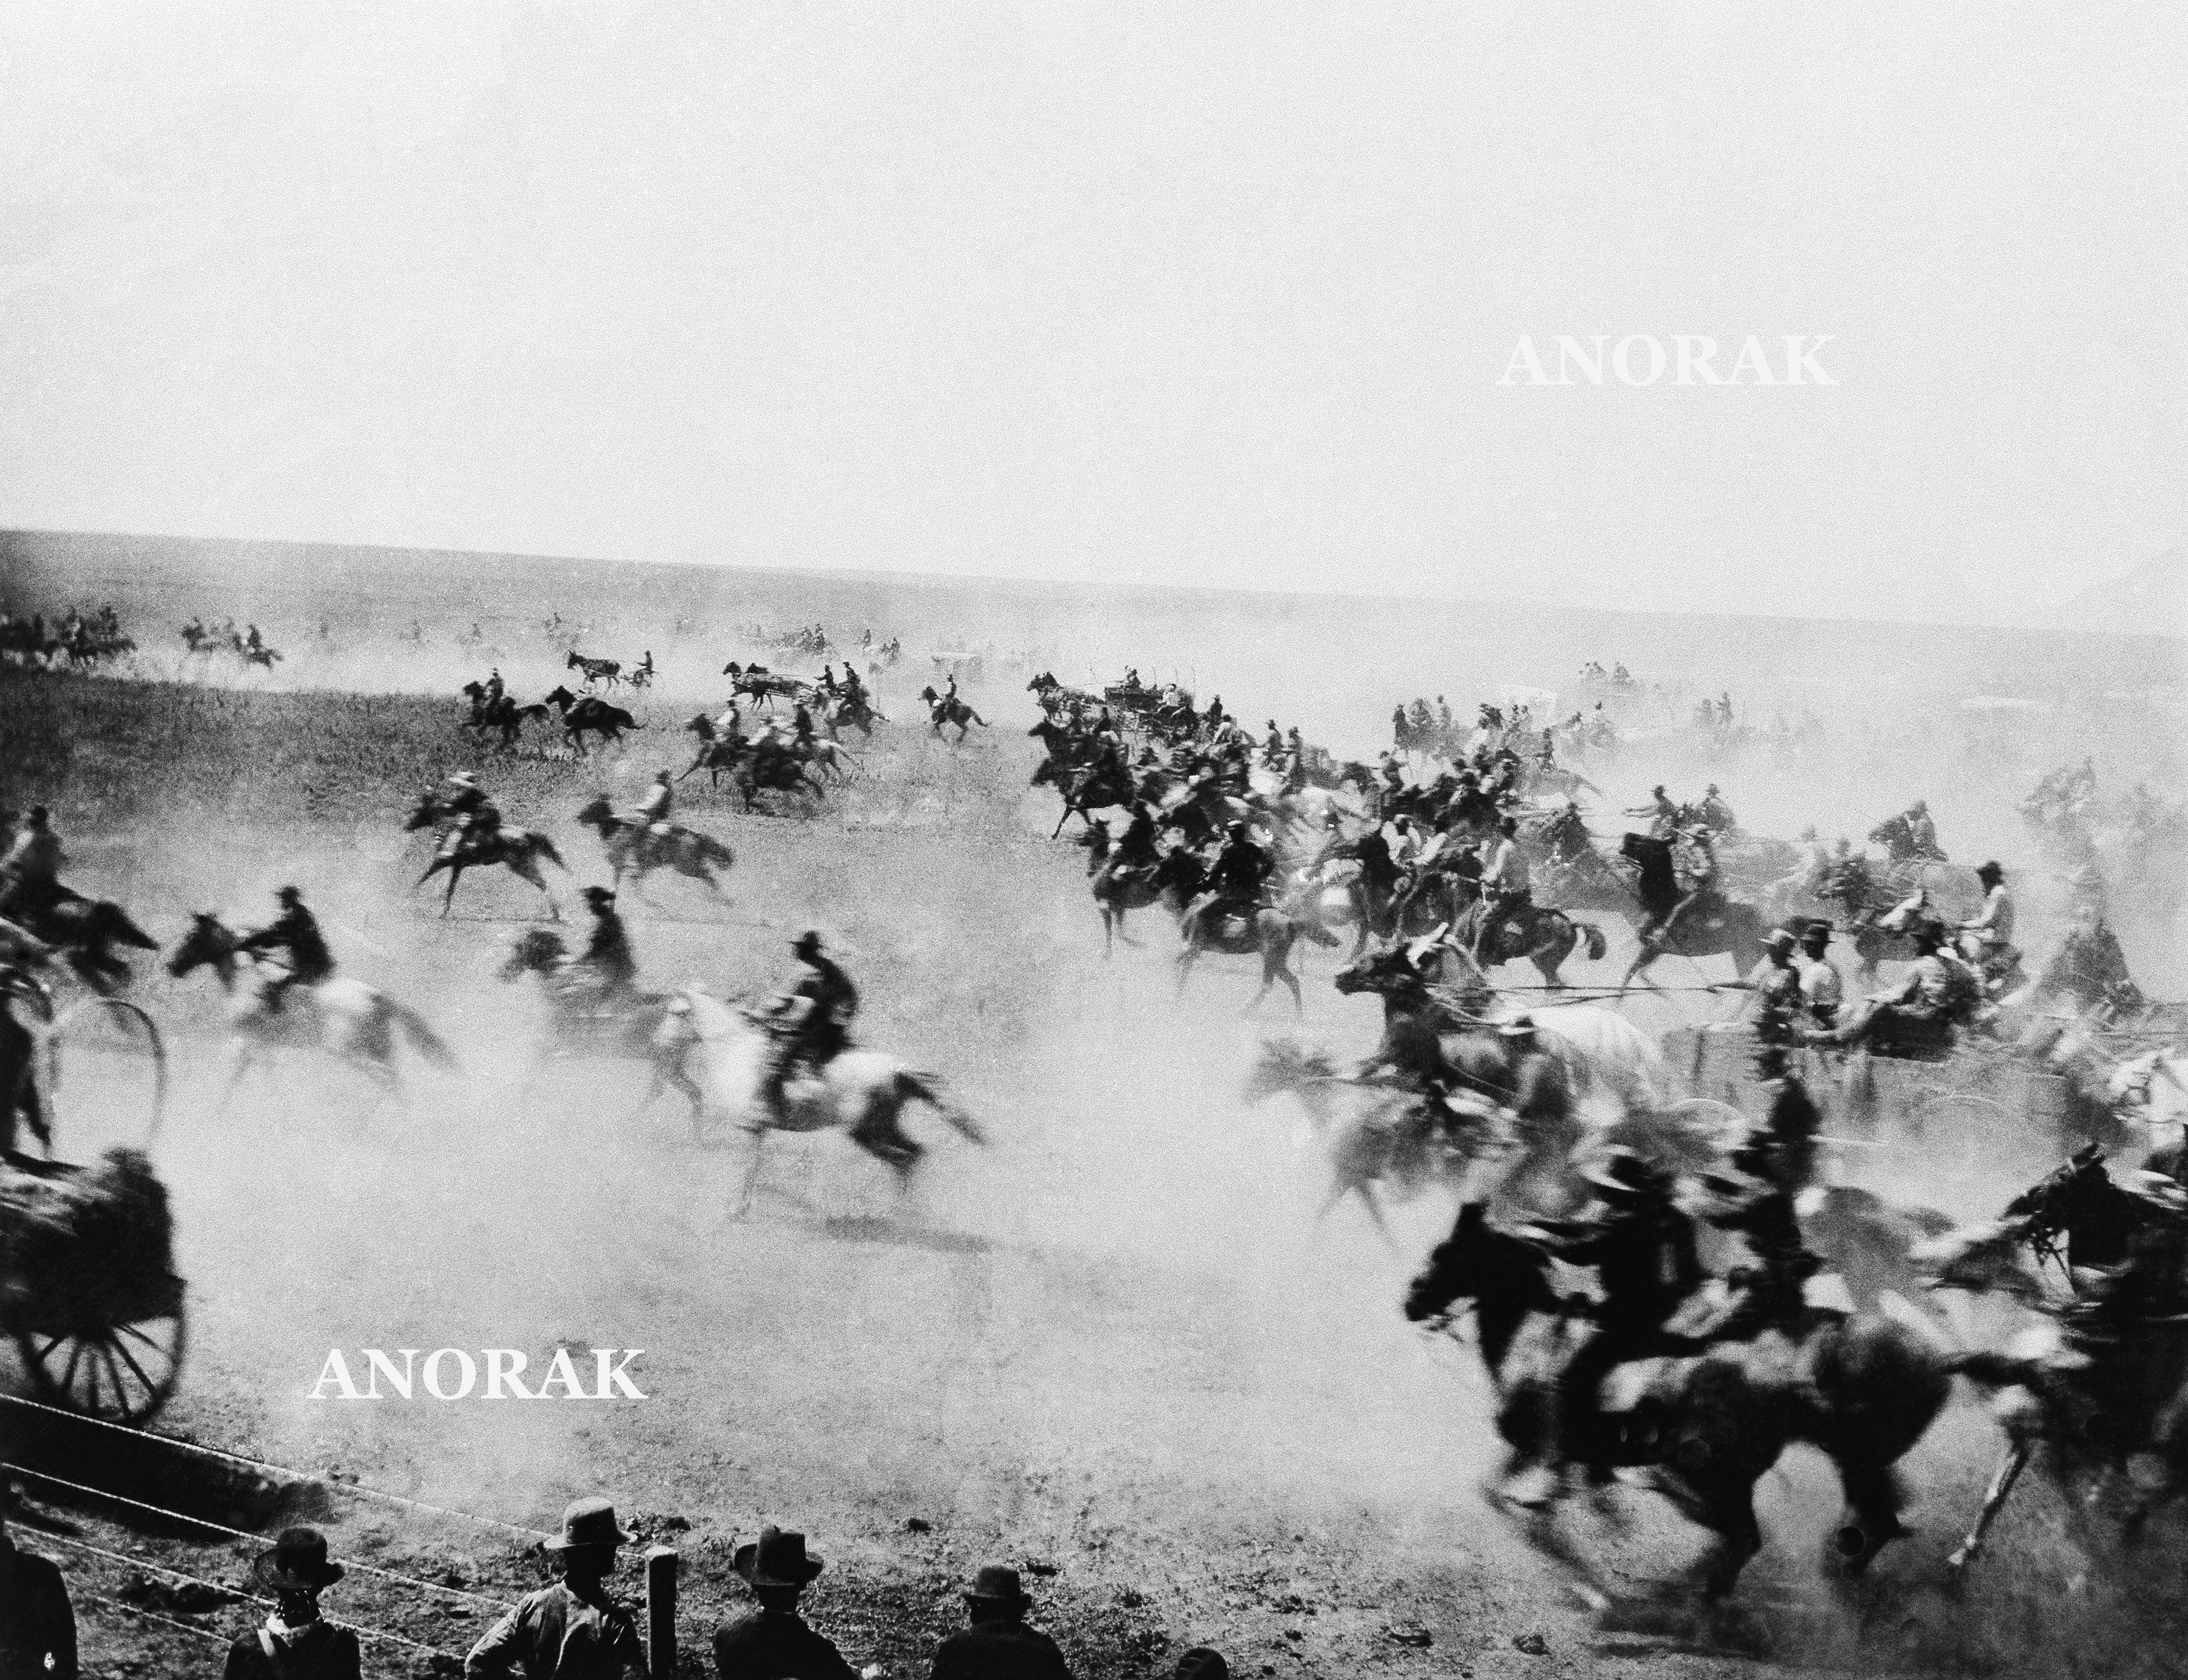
2001	1484
240	1059
752	1172
1730	1512
448	898
1871	1521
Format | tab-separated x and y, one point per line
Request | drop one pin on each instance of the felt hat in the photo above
777	1559
996	1584
589	1522
298	1563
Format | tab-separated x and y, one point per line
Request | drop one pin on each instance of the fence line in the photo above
294	1475
251	1539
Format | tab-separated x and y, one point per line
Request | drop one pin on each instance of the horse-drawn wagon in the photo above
1960	1109
89	1292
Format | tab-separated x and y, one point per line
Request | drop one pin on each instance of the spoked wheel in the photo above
121	1373
106	1078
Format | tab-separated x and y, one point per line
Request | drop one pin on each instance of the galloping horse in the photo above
1093	788
584	714
636	850
85	931
864	1091
587	1025
1710	1423
943	709
1265	932
503	715
520	850
608	671
344	1018
1544	936
1726	928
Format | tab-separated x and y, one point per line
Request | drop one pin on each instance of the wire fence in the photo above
146	1566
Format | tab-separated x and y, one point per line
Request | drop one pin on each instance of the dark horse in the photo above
588	1024
1544	936
1724	927
1174	882
1093	788
633	849
521	850
1710	1422
503	715
1262	930
943	708
2134	1402
589	714
85	931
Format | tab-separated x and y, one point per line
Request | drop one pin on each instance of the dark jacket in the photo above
1643	1258
999	1650
36	1621
322	1651
553	1634
776	1645
607	953
834	997
296	931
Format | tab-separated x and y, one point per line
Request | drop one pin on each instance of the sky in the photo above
1168	292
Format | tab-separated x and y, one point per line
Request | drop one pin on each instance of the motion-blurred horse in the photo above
634	849
342	1018
863	1092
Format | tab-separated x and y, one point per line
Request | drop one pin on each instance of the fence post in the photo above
661	1612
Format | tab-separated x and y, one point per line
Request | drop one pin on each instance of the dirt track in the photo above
1112	1345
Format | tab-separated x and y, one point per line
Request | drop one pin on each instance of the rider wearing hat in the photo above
998	1645
1922	831
573	1630
1661	810
1136	846
812	1019
295	933
1716	812
1990	933
1821	986
1506	889
1752	1200
30	874
1642	1248
1235	880
477	818
607	955
773	1643
1776	985
295	1642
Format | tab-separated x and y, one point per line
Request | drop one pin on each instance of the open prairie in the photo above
1113	1343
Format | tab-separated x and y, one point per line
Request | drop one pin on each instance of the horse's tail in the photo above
1596	943
714	851
928	1088
423	1039
545	848
976	717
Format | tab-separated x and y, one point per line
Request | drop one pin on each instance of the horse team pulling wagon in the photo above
1965	1107
87	1285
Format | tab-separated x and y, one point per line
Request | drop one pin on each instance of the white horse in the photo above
865	1091
343	1017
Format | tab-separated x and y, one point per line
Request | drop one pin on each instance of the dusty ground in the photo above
1112	1346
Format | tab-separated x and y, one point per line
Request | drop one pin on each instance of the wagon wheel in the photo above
121	1373
106	1051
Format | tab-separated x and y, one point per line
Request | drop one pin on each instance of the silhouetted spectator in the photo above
998	1645
1202	1664
37	1628
295	1642
573	1630
773	1643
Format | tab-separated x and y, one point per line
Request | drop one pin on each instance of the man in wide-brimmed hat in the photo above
773	1643
573	1630
998	1645
295	1642
37	1627
1821	985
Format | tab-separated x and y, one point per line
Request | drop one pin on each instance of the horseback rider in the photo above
2105	1361
827	682
1507	894
294	933
1703	893
1136	846
1752	1200
477	818
811	1020
1663	813
1236	881
801	727
1642	1248
1922	1013
30	873
496	690
1922	832
1716	812
607	961
251	641
1989	939
1539	1110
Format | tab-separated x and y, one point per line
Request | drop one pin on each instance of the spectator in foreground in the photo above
37	1627
1200	1663
998	1645
295	1642
573	1630
773	1643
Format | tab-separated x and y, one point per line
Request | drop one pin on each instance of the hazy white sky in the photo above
1180	293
